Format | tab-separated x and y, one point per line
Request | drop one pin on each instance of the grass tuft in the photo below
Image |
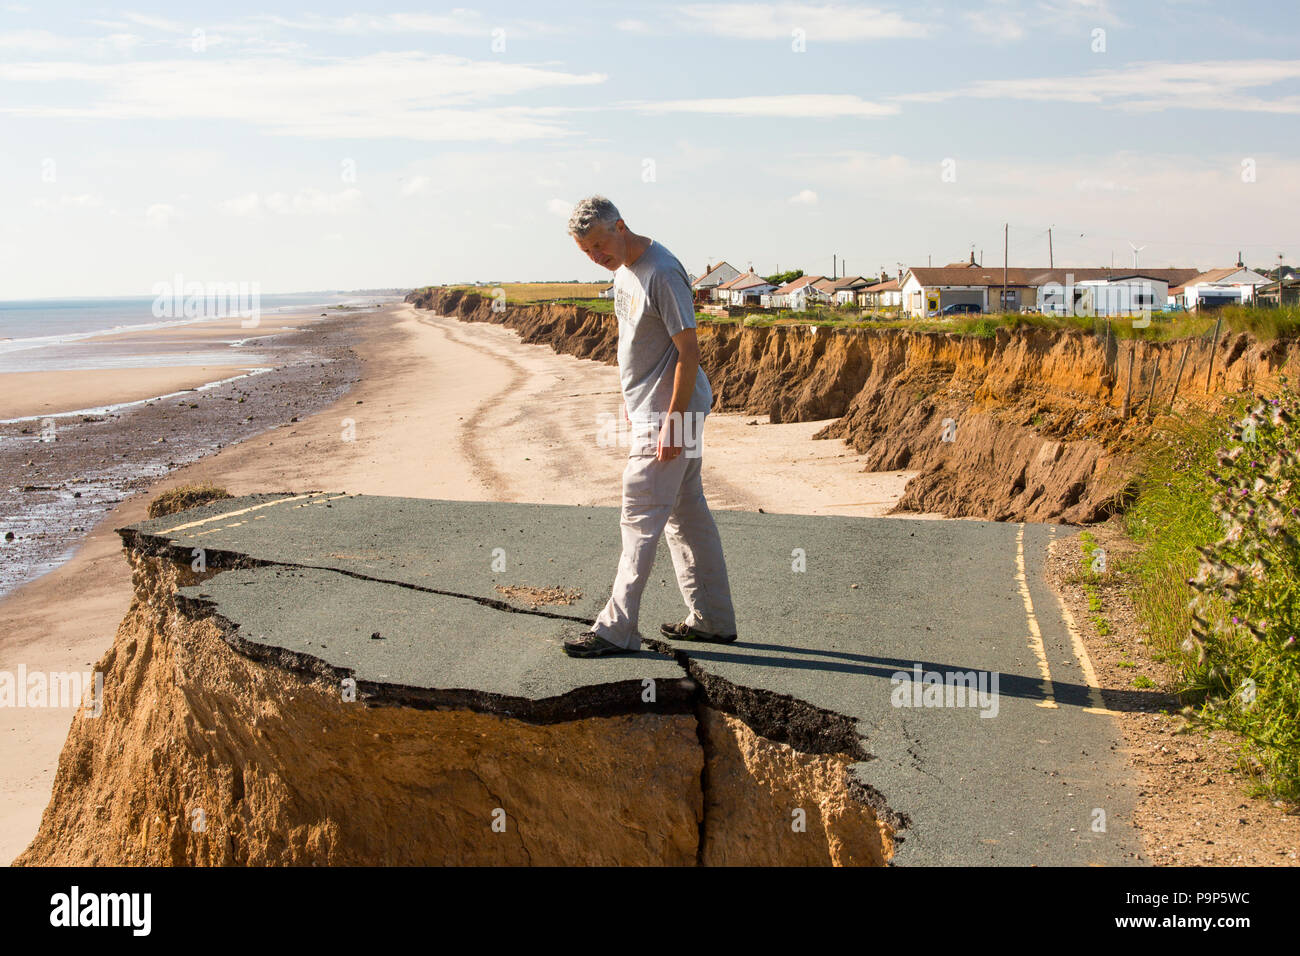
185	496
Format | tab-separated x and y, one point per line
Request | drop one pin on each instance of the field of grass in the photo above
522	293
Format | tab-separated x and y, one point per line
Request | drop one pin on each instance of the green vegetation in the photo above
595	304
1093	567
781	278
1218	578
527	293
1265	323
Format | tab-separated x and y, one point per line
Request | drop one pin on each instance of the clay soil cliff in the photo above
1025	424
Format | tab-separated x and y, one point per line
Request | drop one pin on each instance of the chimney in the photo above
972	257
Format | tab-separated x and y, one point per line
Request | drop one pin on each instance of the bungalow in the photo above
779	298
927	290
745	289
816	292
844	290
881	295
1113	295
1233	285
706	286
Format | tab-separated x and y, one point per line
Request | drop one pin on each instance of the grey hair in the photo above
590	211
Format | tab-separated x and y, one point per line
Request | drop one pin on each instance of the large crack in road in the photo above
800	714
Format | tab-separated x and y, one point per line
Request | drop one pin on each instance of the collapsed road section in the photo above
323	678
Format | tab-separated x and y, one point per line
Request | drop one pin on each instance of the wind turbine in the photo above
1136	250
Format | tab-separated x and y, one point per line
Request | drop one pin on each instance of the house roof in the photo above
824	285
746	280
793	284
889	286
1251	277
993	277
851	282
704	279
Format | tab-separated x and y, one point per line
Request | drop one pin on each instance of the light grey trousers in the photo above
661	496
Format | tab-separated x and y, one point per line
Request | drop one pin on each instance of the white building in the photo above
779	298
1231	286
1113	295
927	290
706	286
745	289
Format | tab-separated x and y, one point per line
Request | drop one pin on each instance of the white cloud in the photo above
248	206
793	106
1011	20
380	95
156	23
73	201
633	26
1207	85
160	214
828	23
560	207
415	186
804	197
304	202
45	42
457	22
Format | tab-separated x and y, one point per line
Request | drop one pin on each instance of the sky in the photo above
341	145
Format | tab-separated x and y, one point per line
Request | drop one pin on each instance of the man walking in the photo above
666	396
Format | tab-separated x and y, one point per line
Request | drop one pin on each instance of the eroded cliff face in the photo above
204	756
1026	425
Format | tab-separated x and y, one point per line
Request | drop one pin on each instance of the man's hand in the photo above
670	438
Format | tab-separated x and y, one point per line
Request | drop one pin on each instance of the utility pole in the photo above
1002	305
833	266
1051	260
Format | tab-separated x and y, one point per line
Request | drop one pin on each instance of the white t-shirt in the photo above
653	302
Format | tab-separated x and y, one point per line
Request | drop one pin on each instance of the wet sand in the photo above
50	393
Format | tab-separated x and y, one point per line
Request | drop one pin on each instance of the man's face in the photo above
605	245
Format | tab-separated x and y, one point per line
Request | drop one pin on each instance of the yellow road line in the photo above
241	511
1035	634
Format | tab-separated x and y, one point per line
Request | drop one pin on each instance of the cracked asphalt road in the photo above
1030	774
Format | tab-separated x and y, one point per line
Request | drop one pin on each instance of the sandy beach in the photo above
443	409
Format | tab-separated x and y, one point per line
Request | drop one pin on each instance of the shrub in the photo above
1245	614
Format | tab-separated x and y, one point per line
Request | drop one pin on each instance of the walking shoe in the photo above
681	631
592	644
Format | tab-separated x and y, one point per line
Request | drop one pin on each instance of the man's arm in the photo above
670	293
688	363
